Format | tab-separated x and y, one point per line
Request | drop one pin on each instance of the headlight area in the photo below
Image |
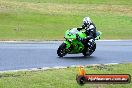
70	40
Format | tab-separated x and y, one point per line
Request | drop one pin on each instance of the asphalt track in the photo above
24	55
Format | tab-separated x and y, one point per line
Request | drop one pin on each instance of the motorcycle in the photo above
72	44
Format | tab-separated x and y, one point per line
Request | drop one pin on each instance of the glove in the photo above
79	29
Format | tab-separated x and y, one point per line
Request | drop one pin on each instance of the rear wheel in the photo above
89	51
86	53
62	50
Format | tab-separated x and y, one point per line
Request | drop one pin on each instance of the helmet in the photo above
87	21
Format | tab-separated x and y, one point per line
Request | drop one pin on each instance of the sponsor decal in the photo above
83	78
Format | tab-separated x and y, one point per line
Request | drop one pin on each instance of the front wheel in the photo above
62	50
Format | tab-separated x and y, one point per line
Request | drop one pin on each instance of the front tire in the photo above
62	50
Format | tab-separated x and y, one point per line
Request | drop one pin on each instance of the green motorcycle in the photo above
72	45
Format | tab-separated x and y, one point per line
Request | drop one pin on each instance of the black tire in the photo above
62	50
88	52
94	47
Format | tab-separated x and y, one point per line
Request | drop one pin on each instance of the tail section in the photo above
98	34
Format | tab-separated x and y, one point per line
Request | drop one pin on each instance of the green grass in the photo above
49	19
62	78
117	2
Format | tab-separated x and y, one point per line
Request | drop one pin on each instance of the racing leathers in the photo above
91	35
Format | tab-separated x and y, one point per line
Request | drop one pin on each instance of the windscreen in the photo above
73	31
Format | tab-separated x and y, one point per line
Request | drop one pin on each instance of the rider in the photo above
90	28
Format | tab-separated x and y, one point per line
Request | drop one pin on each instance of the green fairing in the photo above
82	34
67	44
99	33
68	35
76	44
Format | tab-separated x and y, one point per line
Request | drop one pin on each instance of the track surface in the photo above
14	56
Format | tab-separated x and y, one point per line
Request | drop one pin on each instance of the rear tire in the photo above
88	52
62	50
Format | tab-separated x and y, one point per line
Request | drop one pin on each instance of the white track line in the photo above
56	67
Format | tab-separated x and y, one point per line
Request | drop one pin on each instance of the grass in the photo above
49	19
58	78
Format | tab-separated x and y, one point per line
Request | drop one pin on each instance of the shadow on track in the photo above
78	57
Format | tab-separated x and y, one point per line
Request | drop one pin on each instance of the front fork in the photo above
68	45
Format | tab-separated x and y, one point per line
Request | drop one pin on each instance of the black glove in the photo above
79	29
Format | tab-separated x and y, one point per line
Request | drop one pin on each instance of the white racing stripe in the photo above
56	67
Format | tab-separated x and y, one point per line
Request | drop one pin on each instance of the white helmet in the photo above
87	21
